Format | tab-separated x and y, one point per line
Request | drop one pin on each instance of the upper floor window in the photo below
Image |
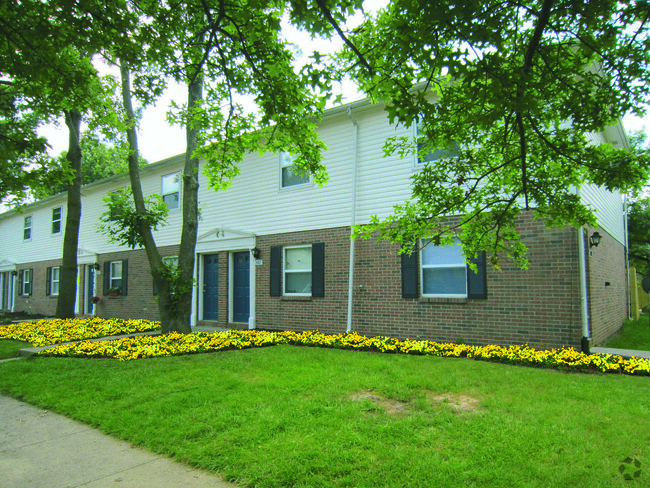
171	190
451	151
57	214
287	175
27	228
114	196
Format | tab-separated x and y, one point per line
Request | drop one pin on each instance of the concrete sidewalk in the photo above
43	450
626	353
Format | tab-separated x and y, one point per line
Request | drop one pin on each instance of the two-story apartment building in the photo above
274	252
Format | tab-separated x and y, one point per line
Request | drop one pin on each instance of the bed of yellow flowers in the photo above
56	331
175	344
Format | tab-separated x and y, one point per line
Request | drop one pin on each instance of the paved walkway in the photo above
43	450
626	353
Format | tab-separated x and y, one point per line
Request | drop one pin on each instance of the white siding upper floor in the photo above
257	204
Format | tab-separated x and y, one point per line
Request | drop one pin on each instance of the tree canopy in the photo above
521	89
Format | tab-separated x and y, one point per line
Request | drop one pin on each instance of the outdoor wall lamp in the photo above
594	239
256	252
14	273
96	266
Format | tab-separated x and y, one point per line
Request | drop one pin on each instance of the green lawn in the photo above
10	349
288	416
635	334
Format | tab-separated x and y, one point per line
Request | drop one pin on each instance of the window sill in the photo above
288	298
442	300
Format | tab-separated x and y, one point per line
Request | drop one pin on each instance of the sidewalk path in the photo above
626	353
41	449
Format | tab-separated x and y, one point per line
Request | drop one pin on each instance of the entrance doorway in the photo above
241	286
211	287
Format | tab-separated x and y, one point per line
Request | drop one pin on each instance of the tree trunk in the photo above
173	317
186	258
65	304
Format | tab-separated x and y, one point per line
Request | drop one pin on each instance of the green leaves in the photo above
122	224
525	89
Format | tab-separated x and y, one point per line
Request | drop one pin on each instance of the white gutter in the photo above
627	258
353	218
584	303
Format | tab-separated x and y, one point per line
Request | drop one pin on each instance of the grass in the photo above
10	349
288	416
635	334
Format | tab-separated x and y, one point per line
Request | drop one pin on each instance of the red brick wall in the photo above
539	306
607	282
328	313
38	302
139	301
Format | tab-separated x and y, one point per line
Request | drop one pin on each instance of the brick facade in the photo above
607	284
539	306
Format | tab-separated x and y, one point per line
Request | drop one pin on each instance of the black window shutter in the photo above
276	271
31	281
125	277
318	269
410	274
107	277
477	282
48	282
20	281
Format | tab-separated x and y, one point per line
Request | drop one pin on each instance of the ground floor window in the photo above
297	270
25	287
444	273
53	279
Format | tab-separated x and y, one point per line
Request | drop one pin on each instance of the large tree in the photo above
46	58
506	96
244	95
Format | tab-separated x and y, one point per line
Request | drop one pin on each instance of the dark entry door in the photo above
211	287
90	289
241	286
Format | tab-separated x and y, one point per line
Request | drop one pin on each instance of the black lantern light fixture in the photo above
594	239
96	266
256	252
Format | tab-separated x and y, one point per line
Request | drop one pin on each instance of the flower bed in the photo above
55	331
176	344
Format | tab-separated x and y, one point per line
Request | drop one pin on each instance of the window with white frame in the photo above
170	261
115	276
171	190
443	270
54	277
57	215
26	282
287	175
297	270
451	151
27	228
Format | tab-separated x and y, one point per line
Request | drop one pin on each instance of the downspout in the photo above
584	304
353	219
627	258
